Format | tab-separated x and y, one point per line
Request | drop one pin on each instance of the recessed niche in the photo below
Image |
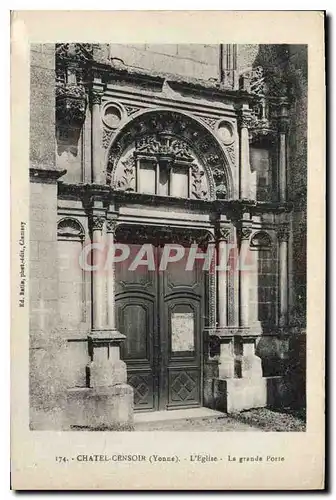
112	115
226	132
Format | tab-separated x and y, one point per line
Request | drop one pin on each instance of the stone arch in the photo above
261	239
193	135
70	228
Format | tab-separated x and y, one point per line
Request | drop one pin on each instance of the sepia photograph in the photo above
168	250
168	204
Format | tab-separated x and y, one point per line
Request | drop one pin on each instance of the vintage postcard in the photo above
168	250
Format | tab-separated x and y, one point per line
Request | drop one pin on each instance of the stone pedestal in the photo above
226	368
238	394
101	408
105	368
248	363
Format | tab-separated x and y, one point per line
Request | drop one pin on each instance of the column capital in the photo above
283	233
244	118
97	222
96	96
244	232
111	225
283	117
223	233
283	125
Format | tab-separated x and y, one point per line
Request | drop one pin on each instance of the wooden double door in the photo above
160	310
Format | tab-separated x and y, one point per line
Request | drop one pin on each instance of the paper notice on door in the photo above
182	330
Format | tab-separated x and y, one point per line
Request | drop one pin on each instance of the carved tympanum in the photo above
177	139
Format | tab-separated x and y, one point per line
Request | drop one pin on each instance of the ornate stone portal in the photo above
168	144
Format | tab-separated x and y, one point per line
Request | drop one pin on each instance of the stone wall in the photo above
42	105
47	370
192	60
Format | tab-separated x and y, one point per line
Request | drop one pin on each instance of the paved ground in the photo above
259	420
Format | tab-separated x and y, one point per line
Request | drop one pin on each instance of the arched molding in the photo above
180	126
70	228
261	240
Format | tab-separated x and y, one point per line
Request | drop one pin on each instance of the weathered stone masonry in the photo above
161	141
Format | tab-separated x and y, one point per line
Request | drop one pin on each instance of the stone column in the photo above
244	152
223	236
98	277
283	128
105	368
96	137
244	278
110	277
283	236
226	359
249	364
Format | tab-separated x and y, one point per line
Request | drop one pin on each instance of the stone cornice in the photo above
122	72
234	207
45	173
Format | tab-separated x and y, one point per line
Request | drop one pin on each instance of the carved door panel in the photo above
136	314
181	332
160	312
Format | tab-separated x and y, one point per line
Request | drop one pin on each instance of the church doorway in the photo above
160	309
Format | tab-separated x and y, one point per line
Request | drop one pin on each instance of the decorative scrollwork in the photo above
126	180
130	110
210	121
231	152
106	139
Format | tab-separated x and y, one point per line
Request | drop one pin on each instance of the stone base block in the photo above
101	408
107	374
237	394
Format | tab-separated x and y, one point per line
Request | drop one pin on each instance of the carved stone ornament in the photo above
231	152
261	239
130	110
223	234
71	104
164	146
283	125
245	233
283	233
219	177
70	228
96	97
75	51
262	123
244	120
211	122
126	175
106	137
97	223
253	80
111	225
170	134
197	186
155	235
